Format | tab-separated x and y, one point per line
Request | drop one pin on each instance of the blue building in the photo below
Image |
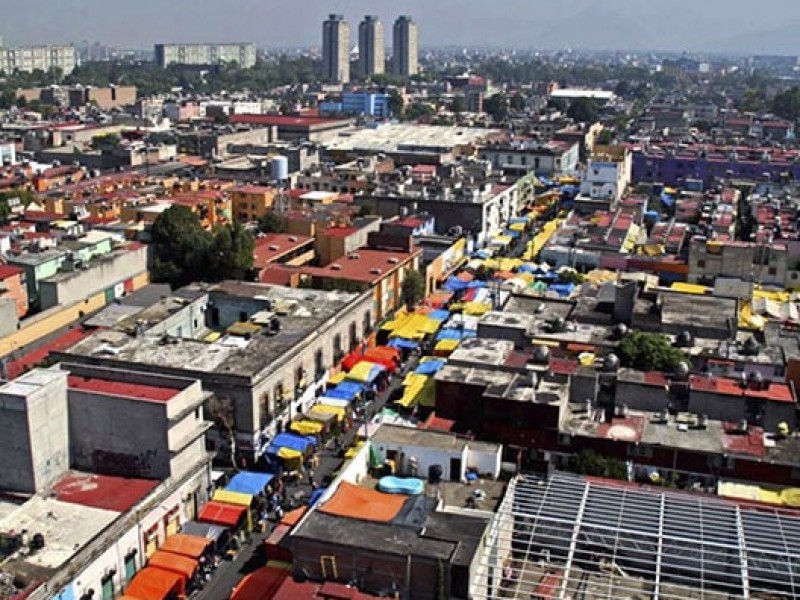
365	104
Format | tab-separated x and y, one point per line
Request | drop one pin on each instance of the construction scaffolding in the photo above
570	537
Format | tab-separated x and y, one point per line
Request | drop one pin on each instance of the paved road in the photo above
252	556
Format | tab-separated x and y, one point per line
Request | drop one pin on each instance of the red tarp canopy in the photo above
192	546
351	360
182	565
262	584
152	583
228	515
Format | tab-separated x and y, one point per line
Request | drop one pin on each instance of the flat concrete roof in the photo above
300	312
392	138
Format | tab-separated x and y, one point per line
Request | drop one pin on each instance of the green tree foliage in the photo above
589	462
26	197
108	141
787	104
418	110
583	110
413	290
272	222
185	252
496	107
605	137
517	102
648	351
459	105
396	103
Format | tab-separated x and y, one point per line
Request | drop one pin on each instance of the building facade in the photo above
244	54
405	46
371	59
336	49
38	58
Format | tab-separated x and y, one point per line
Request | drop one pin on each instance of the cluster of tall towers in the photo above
371	47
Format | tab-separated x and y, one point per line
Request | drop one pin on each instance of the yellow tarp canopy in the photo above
361	371
338	378
415	327
517	227
306	427
324	409
446	346
476	308
689	288
243	329
540	239
502	240
288	453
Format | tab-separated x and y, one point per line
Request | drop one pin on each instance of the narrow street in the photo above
252	555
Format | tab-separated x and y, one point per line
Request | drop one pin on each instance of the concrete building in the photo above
760	263
105	98
34	58
264	351
251	202
35	446
12	286
336	49
532	156
164	428
405	47
244	54
607	174
418	546
371	59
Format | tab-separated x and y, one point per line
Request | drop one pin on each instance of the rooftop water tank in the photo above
279	168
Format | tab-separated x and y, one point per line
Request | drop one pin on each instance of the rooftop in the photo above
274	245
364	265
107	492
591	538
394	138
132	391
166	344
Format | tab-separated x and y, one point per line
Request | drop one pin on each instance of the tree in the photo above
181	247
413	289
496	107
583	110
272	222
787	104
396	103
517	102
648	351
459	105
605	137
589	462
230	253
419	110
108	141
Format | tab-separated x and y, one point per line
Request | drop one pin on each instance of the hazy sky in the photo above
734	25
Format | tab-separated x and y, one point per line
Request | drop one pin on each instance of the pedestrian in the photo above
311	477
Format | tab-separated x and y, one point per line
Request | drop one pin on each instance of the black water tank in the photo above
435	473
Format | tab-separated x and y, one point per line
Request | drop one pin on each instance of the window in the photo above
337	348
130	566
772	270
353	336
367	324
319	365
701	264
108	587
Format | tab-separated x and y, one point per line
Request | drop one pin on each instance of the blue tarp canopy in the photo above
568	190
454	284
403	343
523	220
429	367
315	496
481	254
249	482
528	268
546	275
563	289
666	199
455	334
300	443
511	233
346	390
439	314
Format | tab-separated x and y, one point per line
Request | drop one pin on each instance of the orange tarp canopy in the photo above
293	516
152	583
182	565
192	546
356	502
261	584
228	515
384	351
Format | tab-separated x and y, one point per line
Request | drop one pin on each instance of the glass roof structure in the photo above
572	537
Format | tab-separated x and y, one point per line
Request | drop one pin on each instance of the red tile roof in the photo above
281	120
274	245
339	231
136	391
30	359
7	271
102	491
364	265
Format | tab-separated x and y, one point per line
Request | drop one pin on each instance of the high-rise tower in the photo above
336	49
405	48
371	59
